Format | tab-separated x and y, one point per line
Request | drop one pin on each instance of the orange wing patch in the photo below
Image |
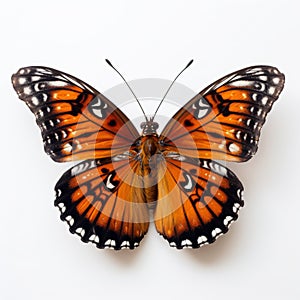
197	201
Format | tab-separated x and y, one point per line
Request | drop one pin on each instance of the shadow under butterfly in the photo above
125	176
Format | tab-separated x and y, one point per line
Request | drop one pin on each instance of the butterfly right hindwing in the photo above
197	201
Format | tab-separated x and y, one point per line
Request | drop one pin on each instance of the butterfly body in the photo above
148	155
105	198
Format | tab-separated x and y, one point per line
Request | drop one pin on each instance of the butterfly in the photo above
125	178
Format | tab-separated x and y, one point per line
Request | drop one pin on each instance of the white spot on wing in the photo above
202	239
125	244
21	80
189	184
263	77
236	207
68	147
271	90
57	83
70	220
80	231
27	90
176	156
109	185
240	83
56	136
233	148
92	237
203	108
264	100
186	243
227	220
35	78
64	134
35	100
82	167
222	145
259	112
96	108
172	244
110	243
119	157
254	97
202	113
216	232
218	168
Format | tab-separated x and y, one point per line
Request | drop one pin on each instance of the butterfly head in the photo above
149	127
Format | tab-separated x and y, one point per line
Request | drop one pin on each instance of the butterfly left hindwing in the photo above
103	202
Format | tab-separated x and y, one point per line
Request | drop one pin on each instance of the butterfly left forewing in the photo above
76	121
224	120
197	201
103	202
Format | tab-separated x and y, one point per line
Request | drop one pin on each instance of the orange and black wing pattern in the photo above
76	121
105	199
197	201
224	121
103	202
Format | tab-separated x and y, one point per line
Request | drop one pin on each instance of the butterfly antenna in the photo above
111	65
190	62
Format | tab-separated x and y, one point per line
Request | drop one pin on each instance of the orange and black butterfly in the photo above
126	177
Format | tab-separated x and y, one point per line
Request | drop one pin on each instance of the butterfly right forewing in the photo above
76	121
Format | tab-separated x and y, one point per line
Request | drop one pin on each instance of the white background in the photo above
259	257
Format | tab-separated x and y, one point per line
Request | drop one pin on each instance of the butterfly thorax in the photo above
149	146
149	155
